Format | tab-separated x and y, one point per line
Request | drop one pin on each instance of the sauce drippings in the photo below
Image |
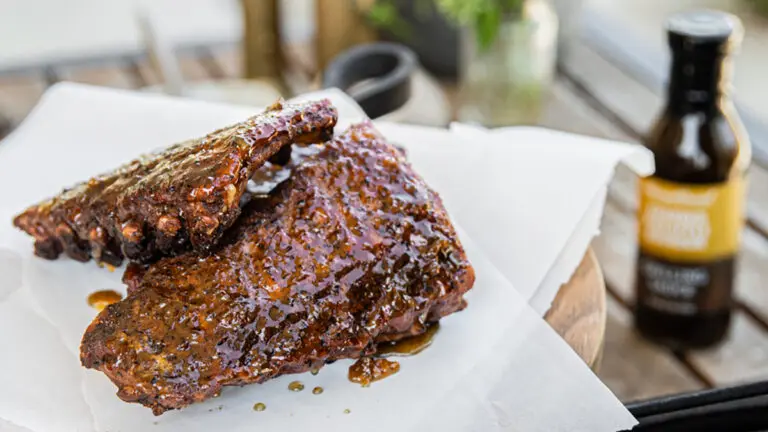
101	299
259	407
317	390
315	371
296	386
367	370
347	411
410	345
269	175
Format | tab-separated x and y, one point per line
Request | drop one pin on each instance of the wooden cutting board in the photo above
578	312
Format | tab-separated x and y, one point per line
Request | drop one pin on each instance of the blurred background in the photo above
597	67
286	44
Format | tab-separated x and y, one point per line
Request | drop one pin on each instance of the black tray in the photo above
742	408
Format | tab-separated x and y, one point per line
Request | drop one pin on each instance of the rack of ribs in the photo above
351	250
183	197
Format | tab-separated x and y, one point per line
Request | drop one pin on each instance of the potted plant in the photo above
422	26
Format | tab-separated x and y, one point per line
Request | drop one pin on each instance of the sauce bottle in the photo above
691	211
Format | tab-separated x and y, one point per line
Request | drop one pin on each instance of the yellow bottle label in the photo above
688	222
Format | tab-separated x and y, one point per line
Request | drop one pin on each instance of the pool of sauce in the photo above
369	369
410	345
101	299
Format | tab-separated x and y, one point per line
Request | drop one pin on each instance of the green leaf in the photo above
384	15
512	7
761	6
463	11
487	26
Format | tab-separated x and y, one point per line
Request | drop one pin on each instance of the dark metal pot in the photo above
377	76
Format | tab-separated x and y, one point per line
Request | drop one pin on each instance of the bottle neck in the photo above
698	83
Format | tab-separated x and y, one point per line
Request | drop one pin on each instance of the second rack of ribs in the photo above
353	249
185	196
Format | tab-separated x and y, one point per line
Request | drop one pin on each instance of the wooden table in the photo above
591	97
612	104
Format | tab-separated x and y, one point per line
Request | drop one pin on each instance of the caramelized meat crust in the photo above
353	249
163	203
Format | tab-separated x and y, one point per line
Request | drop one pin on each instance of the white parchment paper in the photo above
494	366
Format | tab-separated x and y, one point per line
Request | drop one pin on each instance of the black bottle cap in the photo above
703	30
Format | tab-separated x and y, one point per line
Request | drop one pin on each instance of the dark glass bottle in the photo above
692	210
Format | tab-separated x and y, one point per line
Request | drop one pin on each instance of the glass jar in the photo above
508	82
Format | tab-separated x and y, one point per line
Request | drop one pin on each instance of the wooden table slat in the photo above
18	95
565	111
744	353
752	274
108	76
229	60
751	270
209	62
742	358
633	103
192	69
637	106
758	199
636	369
149	74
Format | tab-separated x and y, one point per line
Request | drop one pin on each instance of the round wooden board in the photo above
578	312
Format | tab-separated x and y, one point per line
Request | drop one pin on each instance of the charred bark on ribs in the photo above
353	249
162	204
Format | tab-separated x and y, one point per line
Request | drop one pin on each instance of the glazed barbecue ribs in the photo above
161	204
351	250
